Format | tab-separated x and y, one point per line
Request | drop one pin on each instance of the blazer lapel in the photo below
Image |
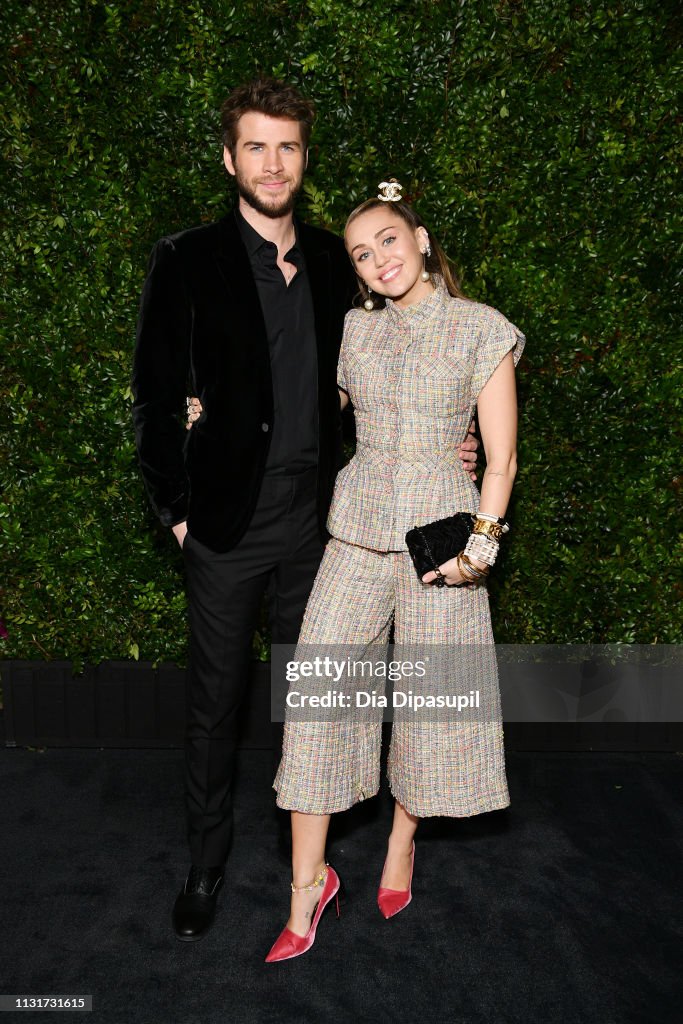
233	265
242	301
242	304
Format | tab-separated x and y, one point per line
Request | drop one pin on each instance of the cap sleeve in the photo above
498	337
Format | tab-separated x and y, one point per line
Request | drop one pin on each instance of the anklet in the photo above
317	881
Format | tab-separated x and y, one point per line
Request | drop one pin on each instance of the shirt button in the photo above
265	428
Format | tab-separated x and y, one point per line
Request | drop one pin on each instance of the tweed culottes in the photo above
435	767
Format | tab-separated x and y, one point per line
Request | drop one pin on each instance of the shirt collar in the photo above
254	242
423	310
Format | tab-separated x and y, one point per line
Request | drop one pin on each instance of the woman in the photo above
414	370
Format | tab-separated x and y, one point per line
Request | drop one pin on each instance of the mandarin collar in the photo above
425	309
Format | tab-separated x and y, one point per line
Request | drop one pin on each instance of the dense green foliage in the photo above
539	139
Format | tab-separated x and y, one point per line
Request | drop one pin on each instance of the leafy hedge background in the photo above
540	140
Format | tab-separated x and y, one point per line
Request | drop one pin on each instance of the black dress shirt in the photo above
290	327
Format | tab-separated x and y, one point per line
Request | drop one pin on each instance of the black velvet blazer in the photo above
201	332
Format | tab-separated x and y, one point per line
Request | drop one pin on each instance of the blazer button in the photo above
265	428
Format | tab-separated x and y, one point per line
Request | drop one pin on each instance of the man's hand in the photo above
179	531
468	452
194	411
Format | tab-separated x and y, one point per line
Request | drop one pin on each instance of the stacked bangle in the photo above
483	547
472	573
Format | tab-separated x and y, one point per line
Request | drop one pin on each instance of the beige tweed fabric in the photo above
413	377
435	767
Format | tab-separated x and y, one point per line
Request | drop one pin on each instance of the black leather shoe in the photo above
195	907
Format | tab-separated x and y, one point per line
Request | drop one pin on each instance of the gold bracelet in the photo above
494	530
504	525
469	579
473	569
465	571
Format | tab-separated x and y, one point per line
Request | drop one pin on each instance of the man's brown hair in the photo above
265	96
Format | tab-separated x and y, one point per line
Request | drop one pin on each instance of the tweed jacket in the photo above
413	376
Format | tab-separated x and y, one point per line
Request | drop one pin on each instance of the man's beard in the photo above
277	209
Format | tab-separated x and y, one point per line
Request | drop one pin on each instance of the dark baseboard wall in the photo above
134	704
115	704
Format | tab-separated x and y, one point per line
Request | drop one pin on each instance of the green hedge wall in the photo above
540	139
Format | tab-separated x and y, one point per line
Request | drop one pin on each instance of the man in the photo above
247	314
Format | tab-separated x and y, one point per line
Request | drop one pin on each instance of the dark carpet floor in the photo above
564	908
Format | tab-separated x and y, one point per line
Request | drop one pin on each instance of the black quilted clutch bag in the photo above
432	545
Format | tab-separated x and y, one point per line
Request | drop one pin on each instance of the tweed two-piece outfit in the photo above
413	376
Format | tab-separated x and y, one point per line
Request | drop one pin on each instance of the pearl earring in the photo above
369	304
427	251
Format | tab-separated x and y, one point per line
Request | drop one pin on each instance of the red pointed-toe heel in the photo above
393	901
288	944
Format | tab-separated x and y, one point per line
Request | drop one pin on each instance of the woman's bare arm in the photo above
497	409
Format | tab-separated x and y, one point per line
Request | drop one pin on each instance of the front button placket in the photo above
401	388
399	349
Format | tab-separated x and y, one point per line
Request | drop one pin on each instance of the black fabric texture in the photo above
201	331
288	316
279	554
434	543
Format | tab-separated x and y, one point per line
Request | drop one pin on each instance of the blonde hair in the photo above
436	263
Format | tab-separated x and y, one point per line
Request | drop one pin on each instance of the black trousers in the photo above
280	553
